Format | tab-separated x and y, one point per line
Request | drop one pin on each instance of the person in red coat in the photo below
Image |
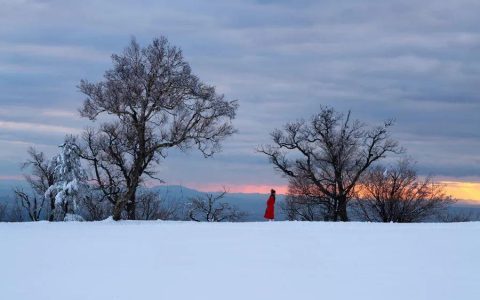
270	211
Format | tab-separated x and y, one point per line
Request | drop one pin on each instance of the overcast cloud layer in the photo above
415	61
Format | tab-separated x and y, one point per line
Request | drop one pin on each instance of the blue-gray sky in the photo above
415	61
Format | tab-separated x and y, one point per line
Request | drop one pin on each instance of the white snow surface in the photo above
269	260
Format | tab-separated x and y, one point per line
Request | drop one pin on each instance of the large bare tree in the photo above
149	102
398	195
327	155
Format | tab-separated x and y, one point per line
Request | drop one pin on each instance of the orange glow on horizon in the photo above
463	190
457	189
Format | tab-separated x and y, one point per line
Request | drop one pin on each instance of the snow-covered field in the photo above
279	260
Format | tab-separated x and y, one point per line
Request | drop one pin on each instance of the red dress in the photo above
270	211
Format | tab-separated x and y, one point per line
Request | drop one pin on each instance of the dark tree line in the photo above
34	204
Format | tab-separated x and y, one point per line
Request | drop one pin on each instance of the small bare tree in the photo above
304	208
152	207
94	207
153	103
327	156
210	209
398	195
31	203
41	177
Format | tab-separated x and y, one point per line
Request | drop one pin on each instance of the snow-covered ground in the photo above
279	260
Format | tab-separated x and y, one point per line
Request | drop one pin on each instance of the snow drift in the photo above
279	260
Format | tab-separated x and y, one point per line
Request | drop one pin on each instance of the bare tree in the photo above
109	180
94	207
152	207
31	203
398	195
328	155
305	202
153	103
41	177
304	208
210	209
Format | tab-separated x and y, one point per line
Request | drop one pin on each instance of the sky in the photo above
415	61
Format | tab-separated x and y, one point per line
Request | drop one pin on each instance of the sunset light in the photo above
457	189
463	190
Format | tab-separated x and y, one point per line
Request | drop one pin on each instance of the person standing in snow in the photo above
270	211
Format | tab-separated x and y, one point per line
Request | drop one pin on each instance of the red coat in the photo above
270	211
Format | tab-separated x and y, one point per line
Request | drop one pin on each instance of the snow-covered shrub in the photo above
70	178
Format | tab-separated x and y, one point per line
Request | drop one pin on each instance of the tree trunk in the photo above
118	209
65	209
128	203
342	209
131	204
51	218
334	212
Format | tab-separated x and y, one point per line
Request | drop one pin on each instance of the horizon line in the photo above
467	191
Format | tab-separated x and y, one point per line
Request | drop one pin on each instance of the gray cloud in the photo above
415	61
